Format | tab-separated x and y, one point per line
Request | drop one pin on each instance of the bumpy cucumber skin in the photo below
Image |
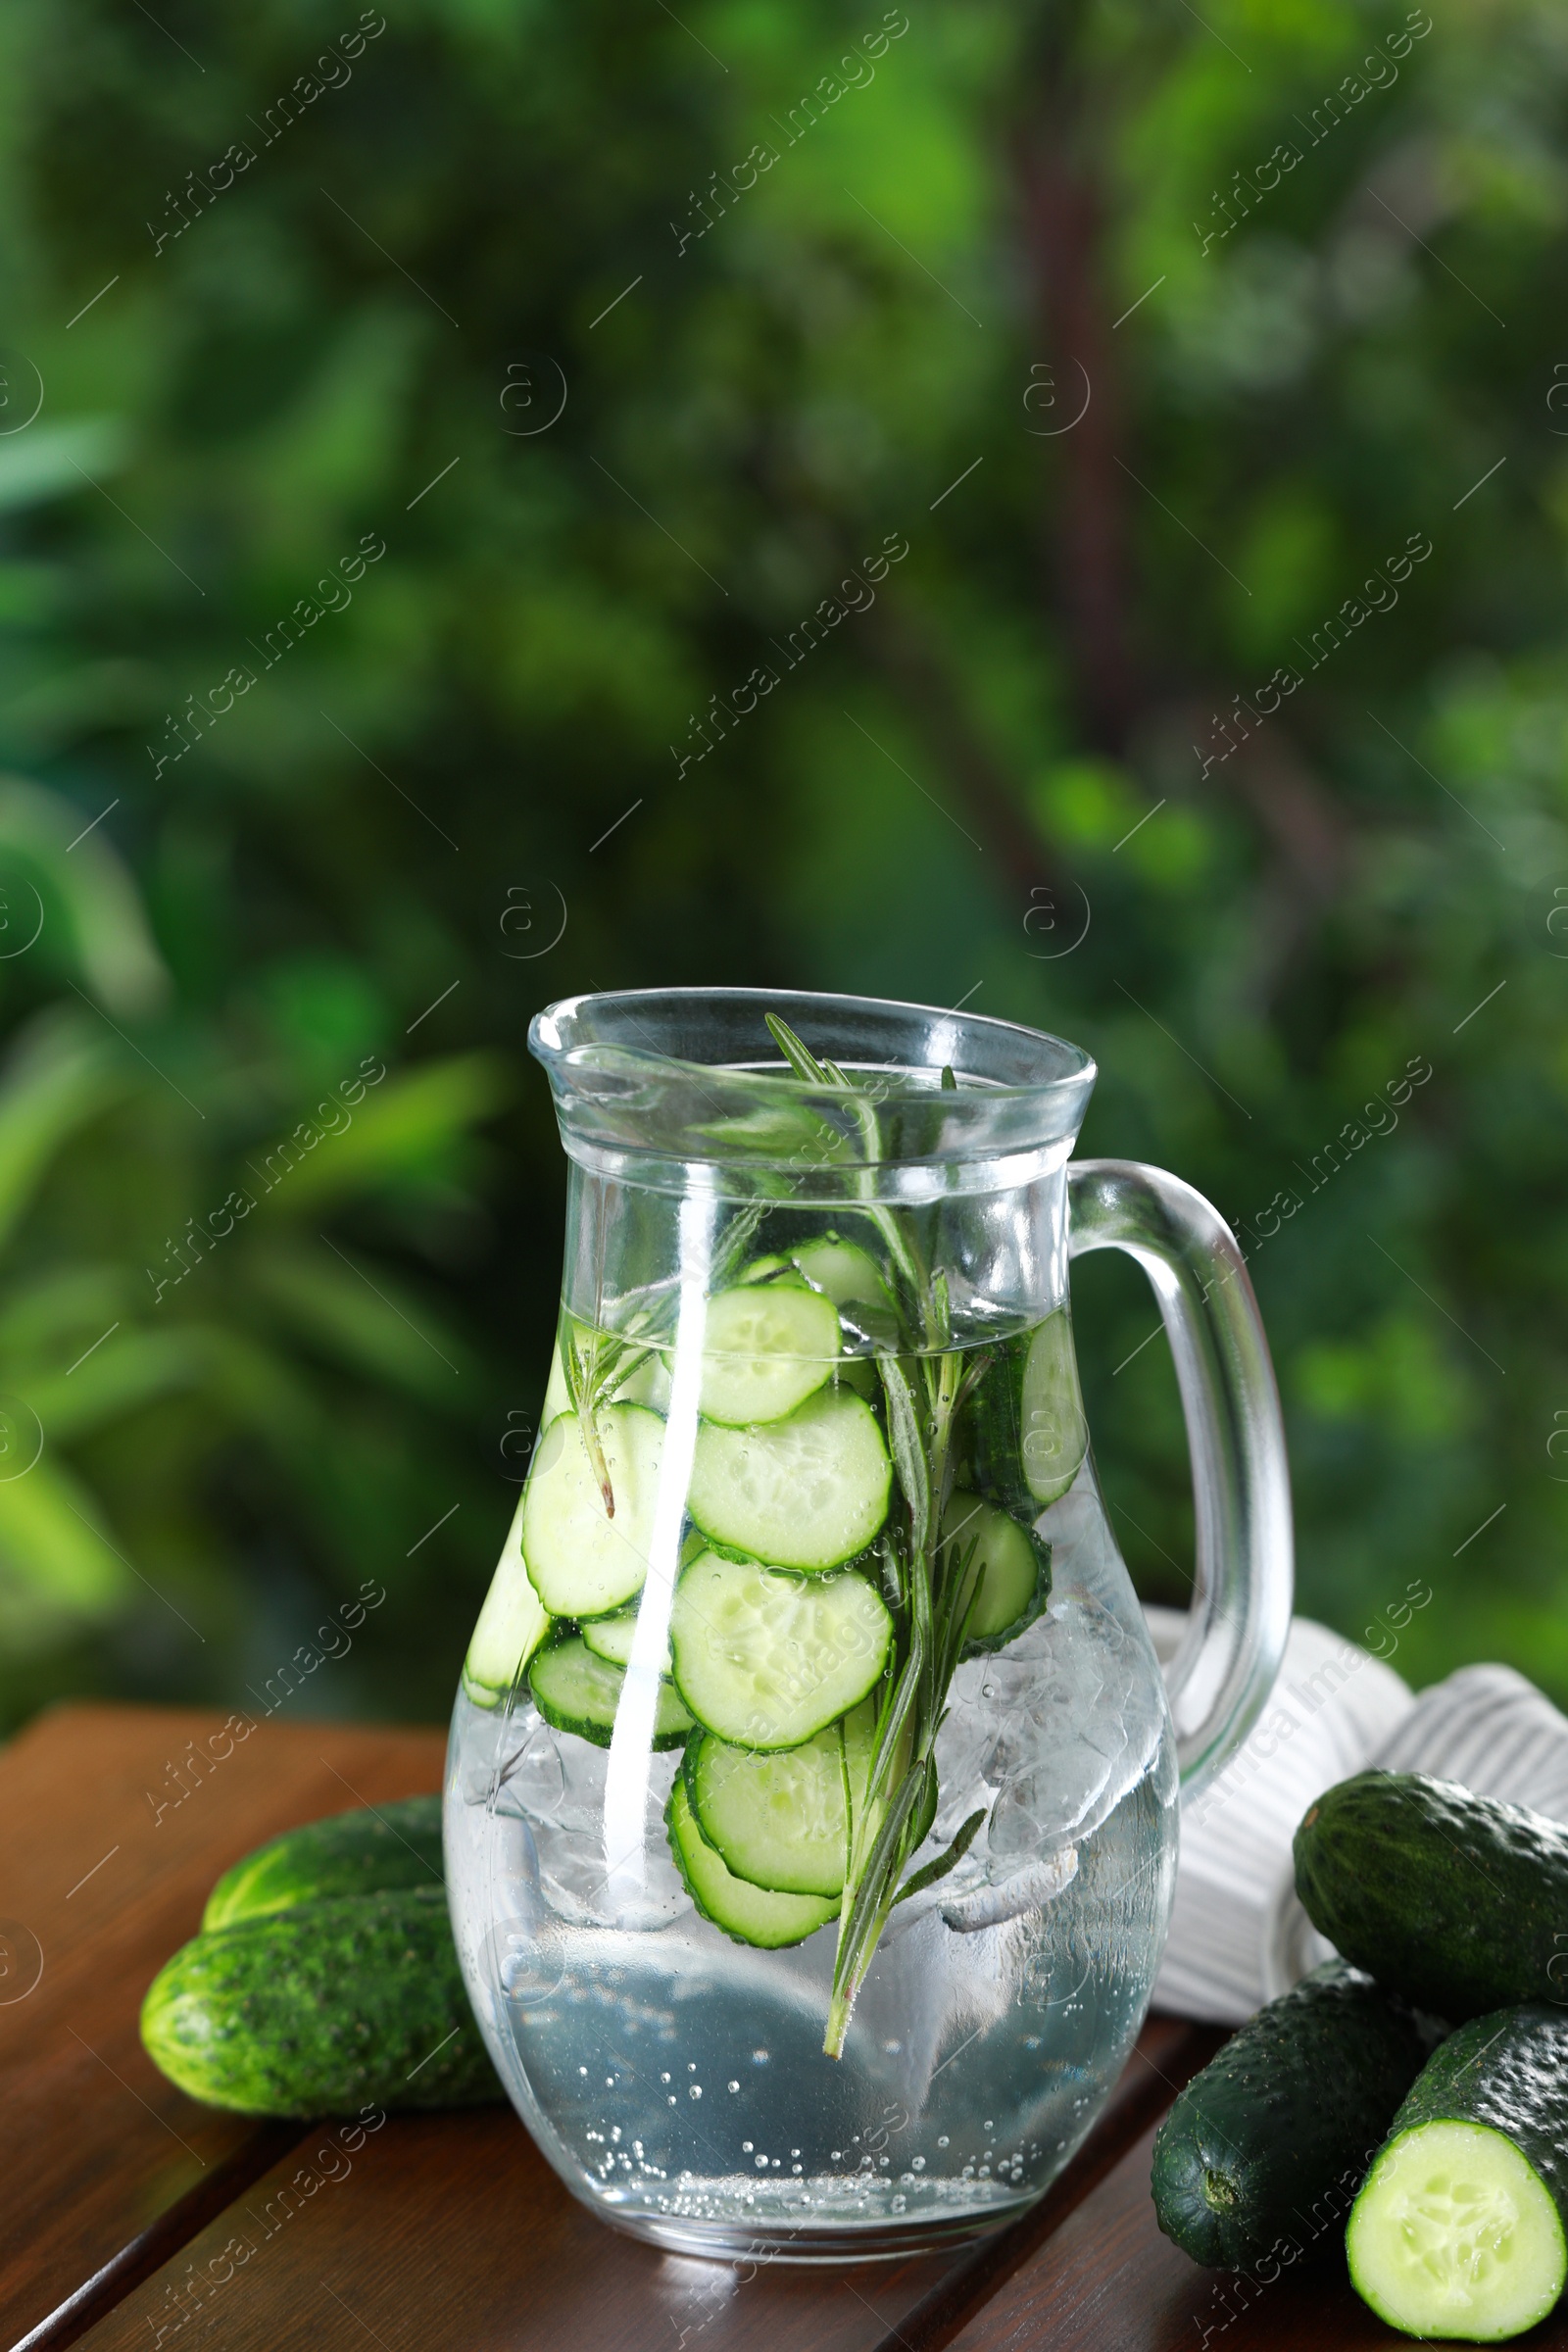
320	2010
361	1853
1284	2117
1510	2070
1453	1900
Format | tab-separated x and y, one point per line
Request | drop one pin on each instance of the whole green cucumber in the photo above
337	2004
1270	2142
1456	1901
368	1851
1459	2228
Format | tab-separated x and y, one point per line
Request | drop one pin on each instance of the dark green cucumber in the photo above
1453	1900
1284	2119
337	2004
368	1852
1459	2228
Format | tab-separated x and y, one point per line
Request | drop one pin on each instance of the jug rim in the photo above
656	1084
559	1037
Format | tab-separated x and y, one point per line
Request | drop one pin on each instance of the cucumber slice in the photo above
806	1493
1459	2229
512	1624
853	1281
1014	1571
611	1638
766	1660
577	1691
843	1272
774	1269
779	1821
766	1348
747	1914
582	1563
1053	1436
1455	2235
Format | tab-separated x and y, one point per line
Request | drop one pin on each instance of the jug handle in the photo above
1240	1612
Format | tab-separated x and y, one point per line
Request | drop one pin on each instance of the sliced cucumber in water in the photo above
746	1913
1014	1571
577	1691
843	1272
853	1281
581	1562
768	1346
512	1623
779	1821
1054	1433
806	1493
611	1638
773	1268
766	1660
1458	2230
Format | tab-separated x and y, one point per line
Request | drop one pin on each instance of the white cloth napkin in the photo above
1237	1935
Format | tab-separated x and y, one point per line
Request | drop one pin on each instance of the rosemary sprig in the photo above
931	1581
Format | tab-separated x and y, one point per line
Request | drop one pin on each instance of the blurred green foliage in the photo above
360	336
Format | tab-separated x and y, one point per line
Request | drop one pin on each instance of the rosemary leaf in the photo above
802	1061
944	1862
909	1452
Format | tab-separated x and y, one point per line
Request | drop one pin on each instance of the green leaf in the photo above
366	1321
909	1452
406	1127
48	1542
939	1868
60	1076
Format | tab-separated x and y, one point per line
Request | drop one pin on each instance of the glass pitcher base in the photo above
810	2223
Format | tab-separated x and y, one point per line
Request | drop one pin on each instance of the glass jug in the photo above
811	1790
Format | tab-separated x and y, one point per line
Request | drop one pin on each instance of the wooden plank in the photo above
453	2230
110	2166
1108	2281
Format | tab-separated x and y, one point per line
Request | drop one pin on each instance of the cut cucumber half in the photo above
1454	2236
1458	2230
512	1624
611	1638
779	1821
766	1660
577	1691
806	1493
747	1914
1014	1571
581	1562
1054	1433
768	1346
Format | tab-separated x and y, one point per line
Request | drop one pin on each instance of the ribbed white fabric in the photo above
1238	1935
1332	1705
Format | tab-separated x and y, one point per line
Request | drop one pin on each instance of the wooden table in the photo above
120	2195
